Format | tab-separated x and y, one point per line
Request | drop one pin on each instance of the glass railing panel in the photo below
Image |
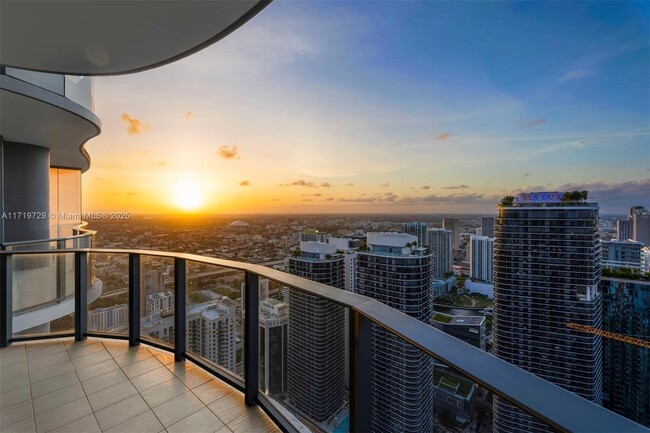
303	358
108	308
214	315
157	308
52	82
79	89
41	298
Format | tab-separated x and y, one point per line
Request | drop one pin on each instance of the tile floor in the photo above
104	385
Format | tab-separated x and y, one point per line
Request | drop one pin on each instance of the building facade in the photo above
113	318
400	277
624	229
626	367
640	220
316	351
274	341
470	329
419	230
547	267
440	245
487	226
622	254
453	225
481	252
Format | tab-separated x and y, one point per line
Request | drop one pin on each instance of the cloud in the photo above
307	199
131	193
308	184
424	187
244	183
623	194
318	194
162	163
526	174
384	185
443	136
329	199
349	184
228	152
133	125
575	74
188	115
523	123
325	185
455	187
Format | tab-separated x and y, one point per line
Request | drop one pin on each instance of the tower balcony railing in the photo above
163	295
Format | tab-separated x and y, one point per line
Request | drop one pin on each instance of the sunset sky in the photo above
385	107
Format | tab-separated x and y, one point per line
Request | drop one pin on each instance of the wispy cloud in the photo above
244	183
162	163
525	174
425	187
325	185
349	184
188	115
228	152
443	136
134	126
575	74
308	184
455	187
384	185
524	123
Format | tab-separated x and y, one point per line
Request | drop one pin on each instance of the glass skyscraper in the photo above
547	267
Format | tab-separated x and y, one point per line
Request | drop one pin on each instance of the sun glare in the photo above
187	194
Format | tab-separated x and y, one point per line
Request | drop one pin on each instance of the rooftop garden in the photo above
444	318
453	384
569	198
626	273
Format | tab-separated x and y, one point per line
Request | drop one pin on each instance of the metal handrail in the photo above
81	227
549	403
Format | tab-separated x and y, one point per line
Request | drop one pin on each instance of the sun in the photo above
187	194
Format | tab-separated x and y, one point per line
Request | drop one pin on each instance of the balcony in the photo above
159	341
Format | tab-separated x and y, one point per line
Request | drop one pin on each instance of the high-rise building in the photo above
626	367
624	229
645	260
622	254
316	352
152	282
481	252
487	226
314	236
274	335
419	230
640	225
470	329
158	302
400	277
113	318
348	246
440	245
211	332
453	225
547	266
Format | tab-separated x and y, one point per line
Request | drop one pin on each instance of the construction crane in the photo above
608	334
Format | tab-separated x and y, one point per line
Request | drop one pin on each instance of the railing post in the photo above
60	271
134	299
360	373
80	295
251	338
6	295
179	309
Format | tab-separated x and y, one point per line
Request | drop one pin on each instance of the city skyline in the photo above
330	108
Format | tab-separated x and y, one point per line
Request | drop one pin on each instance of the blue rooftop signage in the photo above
539	197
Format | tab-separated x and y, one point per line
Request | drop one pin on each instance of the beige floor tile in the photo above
85	349
87	424
159	394
152	378
120	412
53	384
18	412
212	391
253	420
141	367
103	381
193	377
135	354
92	359
15	396
43	351
143	423
48	360
112	395
177	408
24	426
13	382
12	355
62	415
13	370
229	407
202	421
58	398
43	373
98	369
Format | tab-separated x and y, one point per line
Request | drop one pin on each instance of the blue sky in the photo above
397	106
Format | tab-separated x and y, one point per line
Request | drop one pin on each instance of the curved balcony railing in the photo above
78	89
561	410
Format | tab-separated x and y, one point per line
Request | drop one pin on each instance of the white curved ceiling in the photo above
113	37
